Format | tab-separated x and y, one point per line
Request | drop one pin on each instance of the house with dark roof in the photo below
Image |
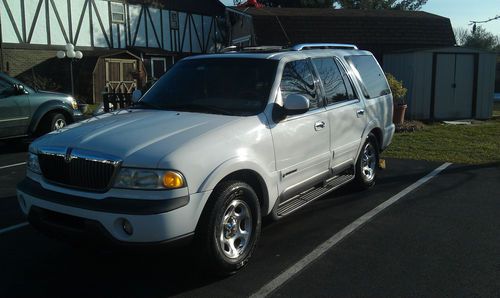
128	42
379	31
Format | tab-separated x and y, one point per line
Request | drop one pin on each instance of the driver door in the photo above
301	142
14	111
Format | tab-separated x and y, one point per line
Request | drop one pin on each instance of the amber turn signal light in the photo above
173	180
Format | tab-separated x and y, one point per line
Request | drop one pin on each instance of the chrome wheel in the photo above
235	229
368	162
60	123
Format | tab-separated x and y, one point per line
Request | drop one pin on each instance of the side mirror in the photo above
296	104
19	89
136	95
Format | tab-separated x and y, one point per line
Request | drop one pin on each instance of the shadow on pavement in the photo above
83	272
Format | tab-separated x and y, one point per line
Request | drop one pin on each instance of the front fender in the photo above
237	164
46	107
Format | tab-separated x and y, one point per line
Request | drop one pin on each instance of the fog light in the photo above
127	227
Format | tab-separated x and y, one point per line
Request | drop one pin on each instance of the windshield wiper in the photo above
199	108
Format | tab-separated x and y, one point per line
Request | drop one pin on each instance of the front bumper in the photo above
81	230
153	221
78	116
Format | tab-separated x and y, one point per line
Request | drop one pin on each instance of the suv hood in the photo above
53	94
140	138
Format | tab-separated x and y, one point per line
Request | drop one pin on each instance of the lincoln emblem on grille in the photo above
67	156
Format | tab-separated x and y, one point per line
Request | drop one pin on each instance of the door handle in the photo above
319	125
360	113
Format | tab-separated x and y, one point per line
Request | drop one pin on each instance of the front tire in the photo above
51	122
367	163
229	228
57	121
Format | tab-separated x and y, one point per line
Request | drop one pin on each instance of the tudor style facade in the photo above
151	35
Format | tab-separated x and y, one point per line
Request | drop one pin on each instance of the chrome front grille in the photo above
77	168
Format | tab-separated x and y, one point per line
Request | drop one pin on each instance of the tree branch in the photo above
481	22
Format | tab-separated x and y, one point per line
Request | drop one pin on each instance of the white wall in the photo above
89	25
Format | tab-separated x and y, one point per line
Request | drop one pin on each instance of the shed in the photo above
445	83
111	70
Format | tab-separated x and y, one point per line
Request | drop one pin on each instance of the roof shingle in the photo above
375	30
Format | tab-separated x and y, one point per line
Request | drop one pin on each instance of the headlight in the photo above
33	164
149	179
74	104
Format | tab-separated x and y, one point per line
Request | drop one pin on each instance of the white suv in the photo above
217	143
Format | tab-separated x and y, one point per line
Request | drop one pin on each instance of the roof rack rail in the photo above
262	49
312	46
250	49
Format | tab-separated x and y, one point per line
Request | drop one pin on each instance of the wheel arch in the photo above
379	137
253	179
245	171
44	110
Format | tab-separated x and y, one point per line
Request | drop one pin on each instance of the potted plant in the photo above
398	94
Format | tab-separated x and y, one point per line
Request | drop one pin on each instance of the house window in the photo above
159	66
117	12
174	20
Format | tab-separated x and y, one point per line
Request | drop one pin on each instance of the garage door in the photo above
454	85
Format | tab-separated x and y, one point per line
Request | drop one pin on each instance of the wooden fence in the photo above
115	101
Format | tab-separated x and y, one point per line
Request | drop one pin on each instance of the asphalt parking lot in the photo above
440	238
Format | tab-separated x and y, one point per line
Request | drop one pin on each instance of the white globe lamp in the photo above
61	54
78	55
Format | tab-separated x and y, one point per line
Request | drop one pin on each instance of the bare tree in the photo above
382	4
478	38
461	35
352	4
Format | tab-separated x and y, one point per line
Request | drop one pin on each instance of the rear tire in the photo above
367	164
229	228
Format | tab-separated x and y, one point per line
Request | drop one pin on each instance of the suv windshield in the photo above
229	86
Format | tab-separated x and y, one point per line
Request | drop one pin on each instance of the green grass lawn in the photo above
91	108
496	109
466	144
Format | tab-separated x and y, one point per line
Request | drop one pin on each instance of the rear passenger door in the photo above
345	112
301	142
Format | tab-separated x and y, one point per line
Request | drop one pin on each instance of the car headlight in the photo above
33	164
149	179
74	104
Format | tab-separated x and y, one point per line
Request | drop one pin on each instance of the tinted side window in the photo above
5	88
298	79
347	81
371	75
335	88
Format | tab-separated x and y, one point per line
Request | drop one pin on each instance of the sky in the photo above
461	12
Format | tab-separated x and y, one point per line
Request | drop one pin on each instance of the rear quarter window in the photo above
370	74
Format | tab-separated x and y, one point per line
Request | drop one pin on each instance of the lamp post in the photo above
72	55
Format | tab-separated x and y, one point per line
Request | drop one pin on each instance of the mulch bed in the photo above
409	126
